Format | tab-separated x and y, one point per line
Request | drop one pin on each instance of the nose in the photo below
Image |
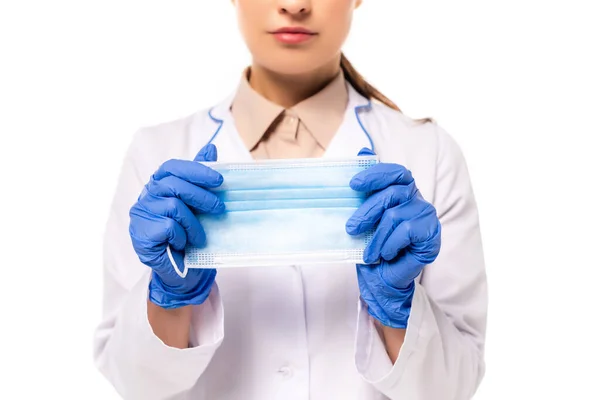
294	7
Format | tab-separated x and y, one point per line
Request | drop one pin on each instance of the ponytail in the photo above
365	89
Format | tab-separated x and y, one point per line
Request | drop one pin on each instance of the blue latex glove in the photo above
164	215
407	237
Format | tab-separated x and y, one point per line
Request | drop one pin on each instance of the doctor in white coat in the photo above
410	327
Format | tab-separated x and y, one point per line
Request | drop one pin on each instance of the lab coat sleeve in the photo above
135	361
443	353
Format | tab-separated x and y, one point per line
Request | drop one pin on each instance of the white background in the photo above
515	82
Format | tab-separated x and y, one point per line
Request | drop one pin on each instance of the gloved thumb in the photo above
365	151
207	153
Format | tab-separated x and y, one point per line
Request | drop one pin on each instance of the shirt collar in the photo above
324	111
254	114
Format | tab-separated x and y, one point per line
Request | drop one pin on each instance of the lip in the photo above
293	35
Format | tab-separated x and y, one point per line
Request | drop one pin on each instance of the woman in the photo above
409	327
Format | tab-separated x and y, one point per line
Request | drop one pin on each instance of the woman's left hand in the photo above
407	237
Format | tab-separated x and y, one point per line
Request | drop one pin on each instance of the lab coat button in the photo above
286	372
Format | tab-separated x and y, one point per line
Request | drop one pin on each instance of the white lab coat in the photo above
301	332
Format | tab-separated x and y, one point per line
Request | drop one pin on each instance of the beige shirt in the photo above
305	130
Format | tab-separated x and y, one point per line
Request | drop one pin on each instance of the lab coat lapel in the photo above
230	147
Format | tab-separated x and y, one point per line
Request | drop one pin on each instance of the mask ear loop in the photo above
174	264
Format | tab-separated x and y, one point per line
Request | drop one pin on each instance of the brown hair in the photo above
365	89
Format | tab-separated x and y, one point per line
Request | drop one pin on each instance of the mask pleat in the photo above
251	205
293	178
290	194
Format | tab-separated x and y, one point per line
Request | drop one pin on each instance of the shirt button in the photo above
285	372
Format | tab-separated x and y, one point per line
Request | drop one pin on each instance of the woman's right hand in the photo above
164	217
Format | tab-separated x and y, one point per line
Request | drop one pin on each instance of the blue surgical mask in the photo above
283	212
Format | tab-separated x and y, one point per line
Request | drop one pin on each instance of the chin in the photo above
298	64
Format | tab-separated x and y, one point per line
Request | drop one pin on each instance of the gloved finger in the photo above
207	153
387	225
194	196
426	251
426	224
151	232
365	151
380	176
175	209
398	240
177	234
191	171
370	212
392	218
400	273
